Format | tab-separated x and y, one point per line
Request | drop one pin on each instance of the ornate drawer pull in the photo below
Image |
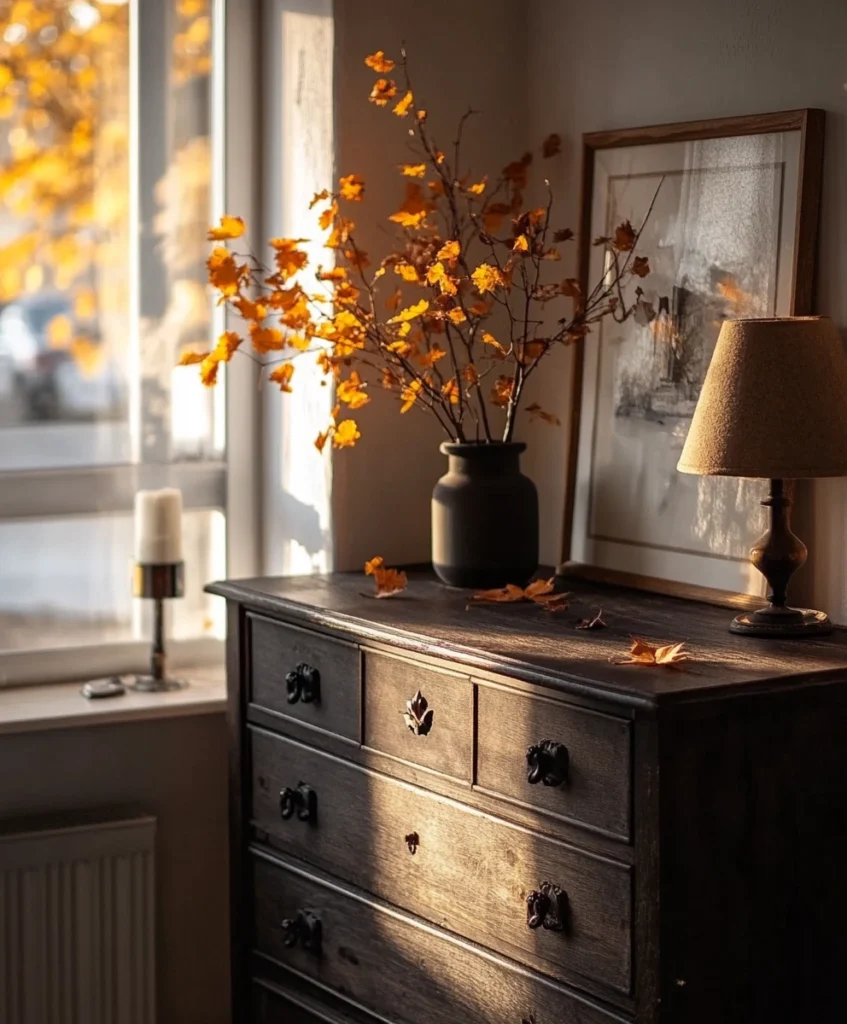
547	907
304	684
418	715
303	800
306	929
548	762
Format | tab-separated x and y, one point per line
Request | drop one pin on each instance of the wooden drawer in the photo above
277	649
270	1007
444	741
470	873
596	790
392	965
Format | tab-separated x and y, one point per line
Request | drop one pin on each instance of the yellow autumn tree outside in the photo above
454	320
64	153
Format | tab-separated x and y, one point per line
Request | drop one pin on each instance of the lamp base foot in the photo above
785	623
147	684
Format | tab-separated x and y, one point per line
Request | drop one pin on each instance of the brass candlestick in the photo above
158	583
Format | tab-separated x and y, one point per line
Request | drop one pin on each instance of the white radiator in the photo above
77	924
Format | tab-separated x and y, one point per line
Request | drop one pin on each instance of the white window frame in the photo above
232	485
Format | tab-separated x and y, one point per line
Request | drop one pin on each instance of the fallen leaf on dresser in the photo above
644	653
388	581
593	623
538	592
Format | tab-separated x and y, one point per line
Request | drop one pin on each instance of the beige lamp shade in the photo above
773	404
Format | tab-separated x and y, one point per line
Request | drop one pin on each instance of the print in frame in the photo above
731	233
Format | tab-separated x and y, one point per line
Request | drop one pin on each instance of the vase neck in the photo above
484	460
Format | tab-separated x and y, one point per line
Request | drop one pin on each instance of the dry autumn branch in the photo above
456	318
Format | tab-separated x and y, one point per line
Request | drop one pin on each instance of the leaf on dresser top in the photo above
388	581
538	592
597	622
644	653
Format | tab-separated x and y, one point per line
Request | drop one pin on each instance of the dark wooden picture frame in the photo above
810	124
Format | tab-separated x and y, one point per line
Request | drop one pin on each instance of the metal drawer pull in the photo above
303	800
547	907
418	715
303	684
548	762
305	928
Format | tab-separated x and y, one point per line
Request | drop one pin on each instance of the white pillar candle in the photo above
158	526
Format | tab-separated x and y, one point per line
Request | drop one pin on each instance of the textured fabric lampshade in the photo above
774	402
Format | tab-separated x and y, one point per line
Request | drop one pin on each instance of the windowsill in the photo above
62	706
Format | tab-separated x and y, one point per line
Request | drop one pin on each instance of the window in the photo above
111	156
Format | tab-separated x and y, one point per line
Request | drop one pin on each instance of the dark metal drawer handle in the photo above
547	907
548	762
304	928
303	800
303	684
418	715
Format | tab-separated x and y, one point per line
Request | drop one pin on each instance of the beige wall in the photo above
462	52
686	60
172	768
557	65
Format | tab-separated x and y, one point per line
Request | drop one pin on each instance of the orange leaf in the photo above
539	587
521	244
487	278
644	653
413	170
418	309
414	209
402	108
379	62
640	266
229	227
409	394
509	594
350	391
478	188
384	89
224	273
540	592
282	375
456	315
489	339
437	275
288	258
346	434
188	358
250	310
551	145
352	187
624	240
570	287
450	390
562	235
322	438
266	339
388	581
449	252
407	272
502	391
393	301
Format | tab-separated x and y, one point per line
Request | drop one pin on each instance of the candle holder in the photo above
158	583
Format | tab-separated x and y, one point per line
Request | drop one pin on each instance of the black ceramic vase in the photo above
484	517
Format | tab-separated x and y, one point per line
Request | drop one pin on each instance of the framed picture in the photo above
731	230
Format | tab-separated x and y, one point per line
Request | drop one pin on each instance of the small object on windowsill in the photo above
99	688
158	575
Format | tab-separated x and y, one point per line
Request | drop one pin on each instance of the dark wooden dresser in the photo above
452	815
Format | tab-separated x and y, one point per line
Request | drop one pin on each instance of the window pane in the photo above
101	275
66	582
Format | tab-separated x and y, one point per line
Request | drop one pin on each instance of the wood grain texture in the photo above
753	892
389	683
471	873
598	789
402	969
276	649
529	644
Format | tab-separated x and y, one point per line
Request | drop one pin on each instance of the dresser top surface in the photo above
526	642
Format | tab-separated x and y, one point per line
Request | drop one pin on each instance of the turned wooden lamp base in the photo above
777	556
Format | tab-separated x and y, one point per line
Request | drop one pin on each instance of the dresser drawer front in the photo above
469	872
594	747
438	735
268	1007
325	692
392	965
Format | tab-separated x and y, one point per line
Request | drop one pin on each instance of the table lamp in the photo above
773	405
